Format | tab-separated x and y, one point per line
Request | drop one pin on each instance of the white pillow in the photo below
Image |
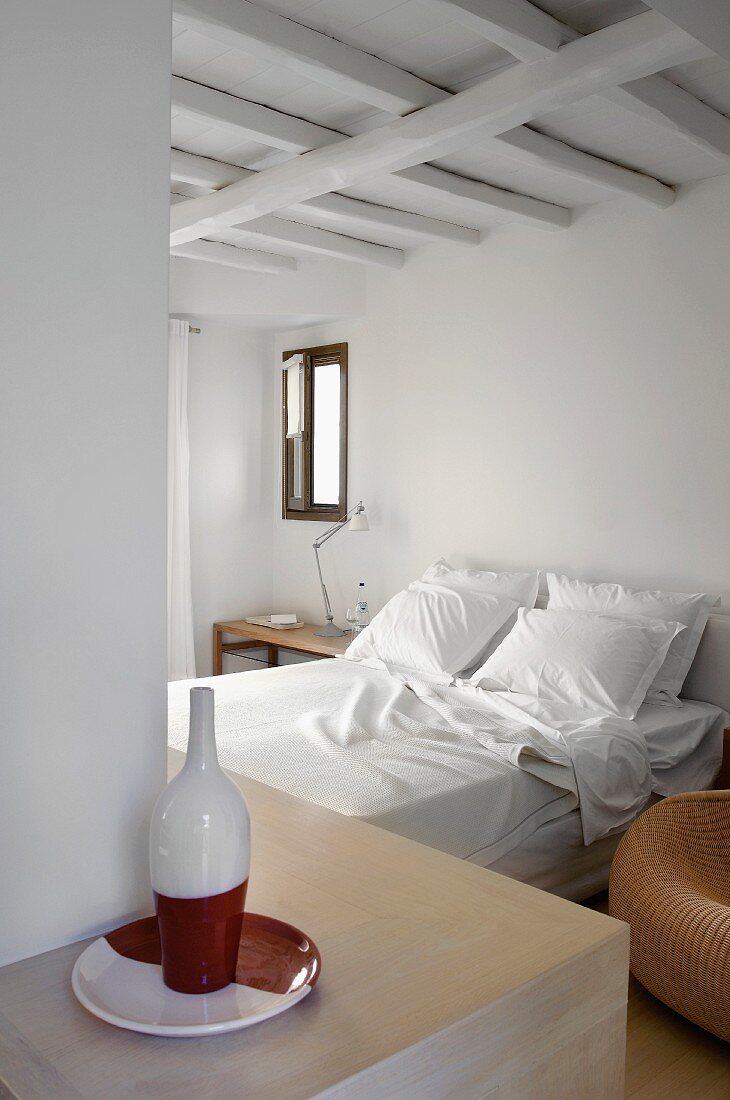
596	662
426	628
521	587
689	609
518	586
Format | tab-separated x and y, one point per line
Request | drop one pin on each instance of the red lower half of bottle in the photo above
199	938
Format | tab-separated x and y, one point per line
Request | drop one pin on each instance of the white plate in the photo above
132	994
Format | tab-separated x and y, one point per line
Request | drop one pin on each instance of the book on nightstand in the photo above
276	622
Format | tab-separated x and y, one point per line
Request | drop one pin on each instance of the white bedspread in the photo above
462	770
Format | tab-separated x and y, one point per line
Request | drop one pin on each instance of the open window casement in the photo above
314	431
294	370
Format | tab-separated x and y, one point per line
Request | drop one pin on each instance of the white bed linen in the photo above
673	733
462	770
684	744
691	610
432	629
687	744
601	663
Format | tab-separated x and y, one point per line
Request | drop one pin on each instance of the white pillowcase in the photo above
517	586
596	662
430	629
689	609
521	587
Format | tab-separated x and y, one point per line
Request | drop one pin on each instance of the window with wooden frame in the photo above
314	433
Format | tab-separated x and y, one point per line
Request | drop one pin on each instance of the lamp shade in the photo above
359	522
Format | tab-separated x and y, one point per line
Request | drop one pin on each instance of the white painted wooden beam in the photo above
706	20
475	195
307	238
245	259
654	97
516	25
539	151
522	207
271	127
508	98
291	230
373	216
203	172
480	197
674	109
241	25
248	120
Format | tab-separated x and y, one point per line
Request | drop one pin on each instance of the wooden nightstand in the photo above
301	640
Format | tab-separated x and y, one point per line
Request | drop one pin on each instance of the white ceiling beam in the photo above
321	242
227	255
467	194
474	195
241	25
296	131
510	97
373	216
203	172
516	25
674	109
706	20
654	97
246	119
539	151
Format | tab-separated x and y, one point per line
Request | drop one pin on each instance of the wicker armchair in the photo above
670	881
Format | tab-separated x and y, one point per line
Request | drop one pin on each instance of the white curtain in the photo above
180	646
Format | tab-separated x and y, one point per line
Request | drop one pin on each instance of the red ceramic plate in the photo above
119	979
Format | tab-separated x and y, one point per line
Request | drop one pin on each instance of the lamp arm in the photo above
330	630
359	507
327	606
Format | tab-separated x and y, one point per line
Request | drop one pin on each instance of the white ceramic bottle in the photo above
199	862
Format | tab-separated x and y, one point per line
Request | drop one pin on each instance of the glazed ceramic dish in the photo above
119	979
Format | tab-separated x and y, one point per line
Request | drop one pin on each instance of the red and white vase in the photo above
199	863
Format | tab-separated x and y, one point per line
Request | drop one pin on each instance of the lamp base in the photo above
329	631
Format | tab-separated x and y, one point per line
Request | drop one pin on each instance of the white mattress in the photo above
555	858
466	771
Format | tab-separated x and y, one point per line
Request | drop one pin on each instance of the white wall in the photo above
553	400
83	347
319	288
232	479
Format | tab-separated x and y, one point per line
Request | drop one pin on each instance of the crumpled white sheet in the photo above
457	768
609	756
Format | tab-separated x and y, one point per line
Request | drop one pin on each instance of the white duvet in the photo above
464	770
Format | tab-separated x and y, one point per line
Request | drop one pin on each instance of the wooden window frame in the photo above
326	513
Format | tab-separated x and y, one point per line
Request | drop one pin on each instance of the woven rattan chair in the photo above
670	881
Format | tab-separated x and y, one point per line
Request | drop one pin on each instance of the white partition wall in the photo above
84	133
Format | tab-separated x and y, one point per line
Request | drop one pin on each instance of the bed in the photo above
490	777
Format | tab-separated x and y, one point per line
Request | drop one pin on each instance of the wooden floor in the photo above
667	1057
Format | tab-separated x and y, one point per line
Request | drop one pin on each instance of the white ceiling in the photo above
424	38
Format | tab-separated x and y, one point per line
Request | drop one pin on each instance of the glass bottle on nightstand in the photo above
351	618
362	611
